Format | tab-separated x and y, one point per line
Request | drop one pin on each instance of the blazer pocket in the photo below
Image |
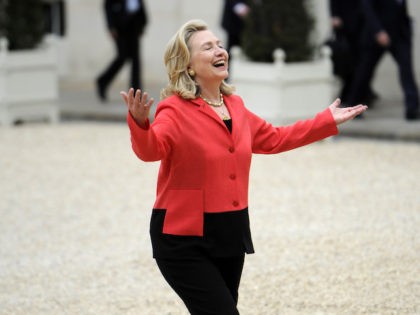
184	213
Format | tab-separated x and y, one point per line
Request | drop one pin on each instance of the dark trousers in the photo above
401	51
127	49
233	40
207	286
348	66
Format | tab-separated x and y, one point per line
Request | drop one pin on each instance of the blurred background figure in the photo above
388	27
234	12
347	23
126	21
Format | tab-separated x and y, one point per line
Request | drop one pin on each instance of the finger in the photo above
124	95
130	97
334	106
337	103
130	93
358	108
150	102
144	97
137	97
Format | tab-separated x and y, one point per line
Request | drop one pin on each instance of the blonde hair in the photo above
177	58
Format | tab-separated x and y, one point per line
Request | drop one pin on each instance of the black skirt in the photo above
225	234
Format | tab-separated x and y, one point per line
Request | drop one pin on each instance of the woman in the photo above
204	137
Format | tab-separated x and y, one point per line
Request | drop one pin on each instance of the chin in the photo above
225	75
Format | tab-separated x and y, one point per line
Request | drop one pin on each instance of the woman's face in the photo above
209	59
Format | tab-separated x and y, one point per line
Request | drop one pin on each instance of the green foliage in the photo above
22	22
272	24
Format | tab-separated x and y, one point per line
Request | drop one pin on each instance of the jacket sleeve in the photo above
267	139
154	142
334	8
371	17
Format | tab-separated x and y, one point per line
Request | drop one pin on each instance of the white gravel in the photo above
335	226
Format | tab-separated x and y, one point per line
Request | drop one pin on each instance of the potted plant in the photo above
281	75
28	64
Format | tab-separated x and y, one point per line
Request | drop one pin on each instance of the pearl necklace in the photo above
214	104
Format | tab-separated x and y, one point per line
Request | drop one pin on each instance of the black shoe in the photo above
411	116
372	96
100	90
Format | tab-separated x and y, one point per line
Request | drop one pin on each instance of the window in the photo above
55	22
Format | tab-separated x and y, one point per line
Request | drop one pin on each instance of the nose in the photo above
220	51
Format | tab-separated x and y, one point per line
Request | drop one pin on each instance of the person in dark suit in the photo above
234	13
347	25
126	21
388	28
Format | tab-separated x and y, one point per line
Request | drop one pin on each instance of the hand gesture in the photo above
138	104
241	9
343	114
383	39
336	22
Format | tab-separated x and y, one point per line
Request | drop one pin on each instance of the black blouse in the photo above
228	123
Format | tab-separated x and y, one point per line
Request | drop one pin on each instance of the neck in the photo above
212	95
213	103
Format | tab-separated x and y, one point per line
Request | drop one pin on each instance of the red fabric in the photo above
204	168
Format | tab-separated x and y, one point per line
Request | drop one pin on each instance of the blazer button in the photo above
232	176
235	203
231	149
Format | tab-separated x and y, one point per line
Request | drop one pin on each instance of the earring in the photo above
191	72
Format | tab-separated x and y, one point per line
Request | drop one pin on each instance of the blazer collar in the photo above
206	110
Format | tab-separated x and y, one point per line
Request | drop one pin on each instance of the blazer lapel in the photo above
206	110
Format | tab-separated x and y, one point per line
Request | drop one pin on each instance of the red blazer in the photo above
204	167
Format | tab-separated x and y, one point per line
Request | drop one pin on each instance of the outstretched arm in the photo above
343	114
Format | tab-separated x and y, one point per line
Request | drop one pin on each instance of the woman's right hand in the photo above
383	39
336	22
138	105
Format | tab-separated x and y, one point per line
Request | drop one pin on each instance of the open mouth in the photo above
220	63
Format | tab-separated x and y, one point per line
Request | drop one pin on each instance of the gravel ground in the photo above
335	226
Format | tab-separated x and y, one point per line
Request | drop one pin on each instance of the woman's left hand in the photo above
343	114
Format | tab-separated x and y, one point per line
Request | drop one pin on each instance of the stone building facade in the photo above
86	47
